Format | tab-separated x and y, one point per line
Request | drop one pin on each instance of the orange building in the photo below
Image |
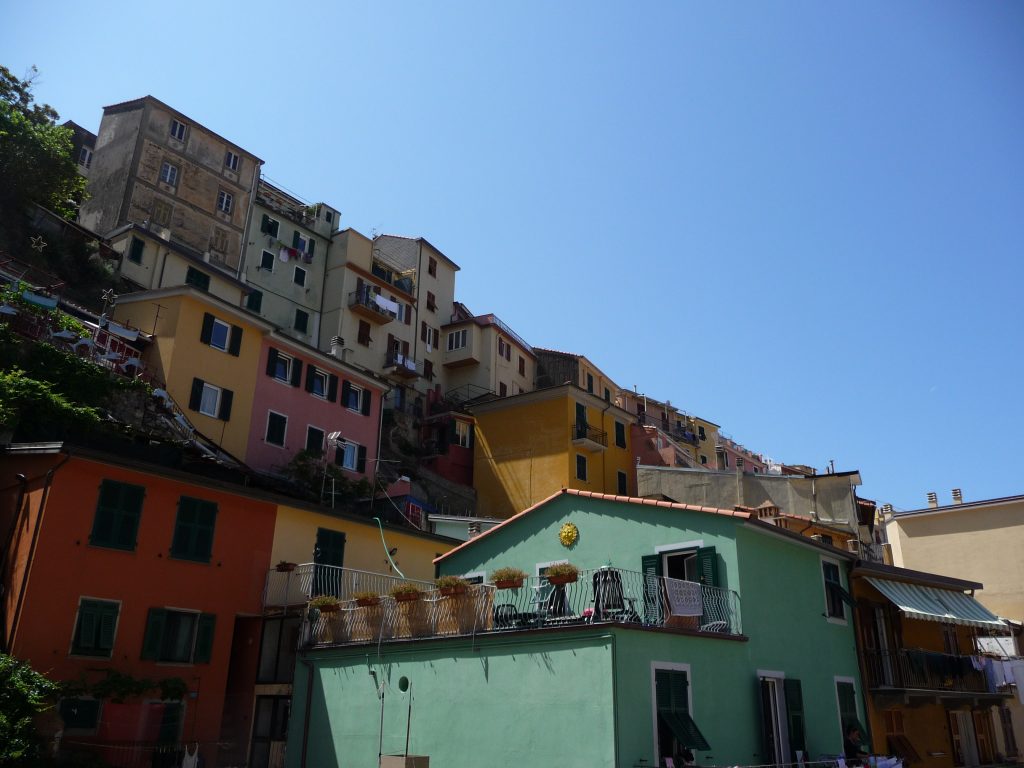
114	567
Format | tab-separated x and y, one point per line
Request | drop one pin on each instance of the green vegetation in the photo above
24	694
119	687
307	470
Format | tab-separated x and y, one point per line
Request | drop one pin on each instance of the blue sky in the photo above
800	220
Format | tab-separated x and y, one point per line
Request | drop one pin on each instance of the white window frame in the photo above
457	339
277	228
323	438
295	275
295	321
824	588
462	434
345	445
322	375
359	394
169	173
284	435
671	666
85	157
216	407
304	241
218	323
178	129
780	706
836	679
273	258
288	361
688	548
231	160
225	201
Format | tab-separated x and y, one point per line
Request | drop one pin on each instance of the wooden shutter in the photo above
346	393
423	331
196	398
408	314
795	716
108	620
367	397
296	372
332	387
265	224
154	633
295	239
235	344
707	566
312	246
226	396
650	565
204	638
207	333
361	459
271	362
391	346
85	639
436	337
310	375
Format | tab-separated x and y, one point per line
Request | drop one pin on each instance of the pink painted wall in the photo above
306	409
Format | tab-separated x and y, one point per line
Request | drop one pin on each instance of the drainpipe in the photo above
305	714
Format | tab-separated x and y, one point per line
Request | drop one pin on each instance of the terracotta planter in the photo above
560	580
284	567
328	608
452	591
367	602
509	584
407	597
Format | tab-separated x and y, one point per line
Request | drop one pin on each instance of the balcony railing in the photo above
403	364
373	305
605	595
284	588
909	668
591	434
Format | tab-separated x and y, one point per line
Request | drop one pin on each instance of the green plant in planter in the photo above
565	572
508	578
406	591
366	597
325	603
451	585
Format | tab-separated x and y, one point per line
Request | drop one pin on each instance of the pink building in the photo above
303	396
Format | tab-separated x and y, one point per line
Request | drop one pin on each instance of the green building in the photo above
688	628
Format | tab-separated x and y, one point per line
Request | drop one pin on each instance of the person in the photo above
853	748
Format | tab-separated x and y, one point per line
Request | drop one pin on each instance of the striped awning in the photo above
930	604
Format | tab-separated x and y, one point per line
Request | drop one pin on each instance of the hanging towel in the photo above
990	676
283	254
978	662
191	759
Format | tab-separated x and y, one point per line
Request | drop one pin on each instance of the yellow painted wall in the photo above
295	538
950	542
706	447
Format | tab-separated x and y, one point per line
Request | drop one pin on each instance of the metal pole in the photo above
408	721
380	741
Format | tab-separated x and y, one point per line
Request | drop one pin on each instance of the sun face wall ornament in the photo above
568	534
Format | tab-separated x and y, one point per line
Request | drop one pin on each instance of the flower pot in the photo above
367	602
284	567
328	608
509	584
452	591
559	580
407	597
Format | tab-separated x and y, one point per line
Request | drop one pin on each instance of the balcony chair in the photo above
610	602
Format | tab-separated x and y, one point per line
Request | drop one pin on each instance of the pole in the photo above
408	721
380	740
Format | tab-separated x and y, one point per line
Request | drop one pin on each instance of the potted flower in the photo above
325	603
452	585
366	598
562	573
406	592
284	567
508	578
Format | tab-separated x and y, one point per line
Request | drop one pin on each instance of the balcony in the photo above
462	356
602	596
590	438
286	588
915	669
401	365
372	306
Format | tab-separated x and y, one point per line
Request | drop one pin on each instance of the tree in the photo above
24	694
36	162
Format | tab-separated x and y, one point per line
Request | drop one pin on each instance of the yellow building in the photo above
206	352
531	445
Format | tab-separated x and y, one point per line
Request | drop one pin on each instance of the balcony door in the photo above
965	746
329	551
774	736
879	644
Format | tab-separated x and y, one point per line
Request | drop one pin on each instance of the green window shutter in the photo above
847	704
226	397
207	333
271	362
235	344
707	566
295	239
193	530
94	632
795	716
181	545
117	515
361	459
367	398
154	633
310	375
196	397
650	565
88	617
206	522
312	246
108	622
296	372
332	387
671	690
204	638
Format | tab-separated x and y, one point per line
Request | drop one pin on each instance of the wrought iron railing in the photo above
402	362
306	581
123	754
926	670
587	432
604	595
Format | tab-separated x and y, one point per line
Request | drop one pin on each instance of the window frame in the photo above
189	553
852	682
319	375
219	394
199	619
284	430
432	266
295	277
457	339
289	363
178	129
305	324
580	457
232	160
323	440
831	594
344	446
620	427
197	279
622	483
353	390
118	515
254	301
668	666
266	229
263	261
136	248
85	157
217	322
79	651
225	202
169	174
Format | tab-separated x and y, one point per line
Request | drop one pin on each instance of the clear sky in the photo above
801	220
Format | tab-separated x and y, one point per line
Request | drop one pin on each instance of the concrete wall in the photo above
111	169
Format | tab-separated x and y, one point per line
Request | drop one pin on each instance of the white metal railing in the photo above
306	581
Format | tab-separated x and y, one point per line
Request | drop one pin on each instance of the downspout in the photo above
380	438
305	714
32	550
163	266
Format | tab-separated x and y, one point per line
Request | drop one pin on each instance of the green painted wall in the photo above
611	533
530	699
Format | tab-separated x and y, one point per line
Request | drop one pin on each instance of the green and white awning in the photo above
930	604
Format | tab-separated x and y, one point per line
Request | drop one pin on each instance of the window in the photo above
432	266
161	213
303	243
703	459
177	130
846	696
701	433
299	277
318	382
85	157
225	201
620	434
501	347
456	339
581	467
211	400
284	367
301	323
231	161
461	434
428	370
219	241
676	729
835	595
209	403
193	529
351	456
267	261
95	628
169	174
314	440
623	483
590	382
254	301
184	637
269	226
135	250
502	389
277	428
363	337
522	365
329	217
277	649
197	279
355	398
80	714
117	515
220	335
431	302
607	395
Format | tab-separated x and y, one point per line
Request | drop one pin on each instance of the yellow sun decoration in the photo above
568	534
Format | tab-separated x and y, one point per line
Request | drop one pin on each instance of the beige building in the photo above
555	368
484	356
156	167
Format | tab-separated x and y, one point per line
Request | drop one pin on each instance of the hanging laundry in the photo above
293	253
283	254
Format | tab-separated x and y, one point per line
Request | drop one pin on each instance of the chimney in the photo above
887	509
958	496
739	463
933	499
336	341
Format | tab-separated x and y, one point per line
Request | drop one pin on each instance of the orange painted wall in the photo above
66	567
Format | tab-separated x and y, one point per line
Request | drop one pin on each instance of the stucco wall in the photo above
111	166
